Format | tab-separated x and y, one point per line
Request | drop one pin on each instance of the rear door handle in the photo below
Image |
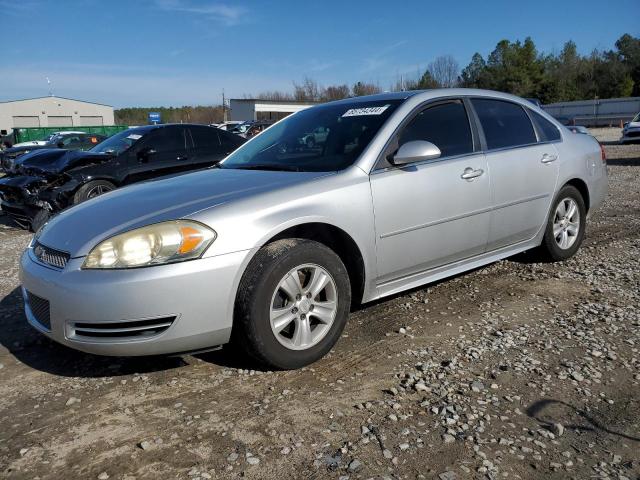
469	173
181	158
546	158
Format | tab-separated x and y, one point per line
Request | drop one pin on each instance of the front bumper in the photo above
630	136
198	296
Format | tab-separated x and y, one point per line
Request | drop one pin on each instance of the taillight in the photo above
603	154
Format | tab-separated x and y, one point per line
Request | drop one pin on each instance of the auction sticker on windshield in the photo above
135	136
357	112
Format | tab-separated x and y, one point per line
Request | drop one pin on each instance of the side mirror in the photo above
415	151
60	145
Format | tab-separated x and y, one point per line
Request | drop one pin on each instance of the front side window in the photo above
549	131
445	125
167	139
505	124
349	127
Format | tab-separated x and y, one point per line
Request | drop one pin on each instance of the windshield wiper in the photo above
267	166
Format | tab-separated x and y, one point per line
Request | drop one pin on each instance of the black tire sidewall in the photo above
256	306
552	248
81	195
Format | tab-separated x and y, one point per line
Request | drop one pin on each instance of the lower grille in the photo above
52	257
39	309
633	134
137	329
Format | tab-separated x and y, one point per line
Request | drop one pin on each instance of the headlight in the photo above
162	243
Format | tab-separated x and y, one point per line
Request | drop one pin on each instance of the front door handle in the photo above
181	158
546	158
469	173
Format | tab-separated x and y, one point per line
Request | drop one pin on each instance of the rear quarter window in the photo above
505	124
549	131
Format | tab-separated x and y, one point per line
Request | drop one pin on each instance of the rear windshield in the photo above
318	139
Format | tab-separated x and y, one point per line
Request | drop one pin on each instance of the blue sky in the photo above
184	52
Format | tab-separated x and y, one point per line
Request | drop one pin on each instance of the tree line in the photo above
516	67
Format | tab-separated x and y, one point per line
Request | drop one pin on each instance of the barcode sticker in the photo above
357	112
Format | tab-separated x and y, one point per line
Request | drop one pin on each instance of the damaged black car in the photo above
9	158
48	181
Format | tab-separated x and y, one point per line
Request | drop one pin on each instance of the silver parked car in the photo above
271	249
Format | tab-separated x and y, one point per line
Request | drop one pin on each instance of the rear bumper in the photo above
198	296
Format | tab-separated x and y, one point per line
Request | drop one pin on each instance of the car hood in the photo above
78	229
30	144
631	125
55	160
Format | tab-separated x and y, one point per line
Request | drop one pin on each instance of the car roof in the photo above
433	93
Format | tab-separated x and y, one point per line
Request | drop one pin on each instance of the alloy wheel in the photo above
303	307
566	223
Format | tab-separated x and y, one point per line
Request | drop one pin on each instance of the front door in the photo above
434	212
164	152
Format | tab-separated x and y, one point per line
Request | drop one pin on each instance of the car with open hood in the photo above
271	249
47	181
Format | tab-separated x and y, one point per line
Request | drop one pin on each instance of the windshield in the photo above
53	140
319	139
120	142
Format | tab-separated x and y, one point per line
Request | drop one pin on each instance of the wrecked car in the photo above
64	140
47	181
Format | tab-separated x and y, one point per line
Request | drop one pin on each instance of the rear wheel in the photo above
566	225
92	189
292	304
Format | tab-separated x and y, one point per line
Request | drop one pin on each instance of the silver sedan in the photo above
271	249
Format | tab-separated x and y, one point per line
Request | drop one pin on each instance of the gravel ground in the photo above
515	370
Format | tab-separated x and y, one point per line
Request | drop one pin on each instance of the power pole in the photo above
224	107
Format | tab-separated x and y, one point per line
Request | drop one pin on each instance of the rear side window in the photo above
549	131
505	124
205	137
230	141
445	125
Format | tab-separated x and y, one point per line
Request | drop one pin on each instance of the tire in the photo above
40	219
92	189
261	292
552	247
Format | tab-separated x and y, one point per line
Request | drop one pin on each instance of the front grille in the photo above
39	309
633	134
137	329
50	256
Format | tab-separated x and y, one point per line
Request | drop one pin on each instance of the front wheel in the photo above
566	225
92	189
292	303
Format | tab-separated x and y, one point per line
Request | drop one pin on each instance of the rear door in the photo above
207	147
428	214
524	171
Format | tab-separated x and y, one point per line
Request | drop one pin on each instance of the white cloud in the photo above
226	14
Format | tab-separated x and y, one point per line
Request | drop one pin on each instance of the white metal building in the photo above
244	109
53	112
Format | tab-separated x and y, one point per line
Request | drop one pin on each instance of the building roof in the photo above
54	96
259	100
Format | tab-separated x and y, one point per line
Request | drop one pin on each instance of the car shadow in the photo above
38	352
547	412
